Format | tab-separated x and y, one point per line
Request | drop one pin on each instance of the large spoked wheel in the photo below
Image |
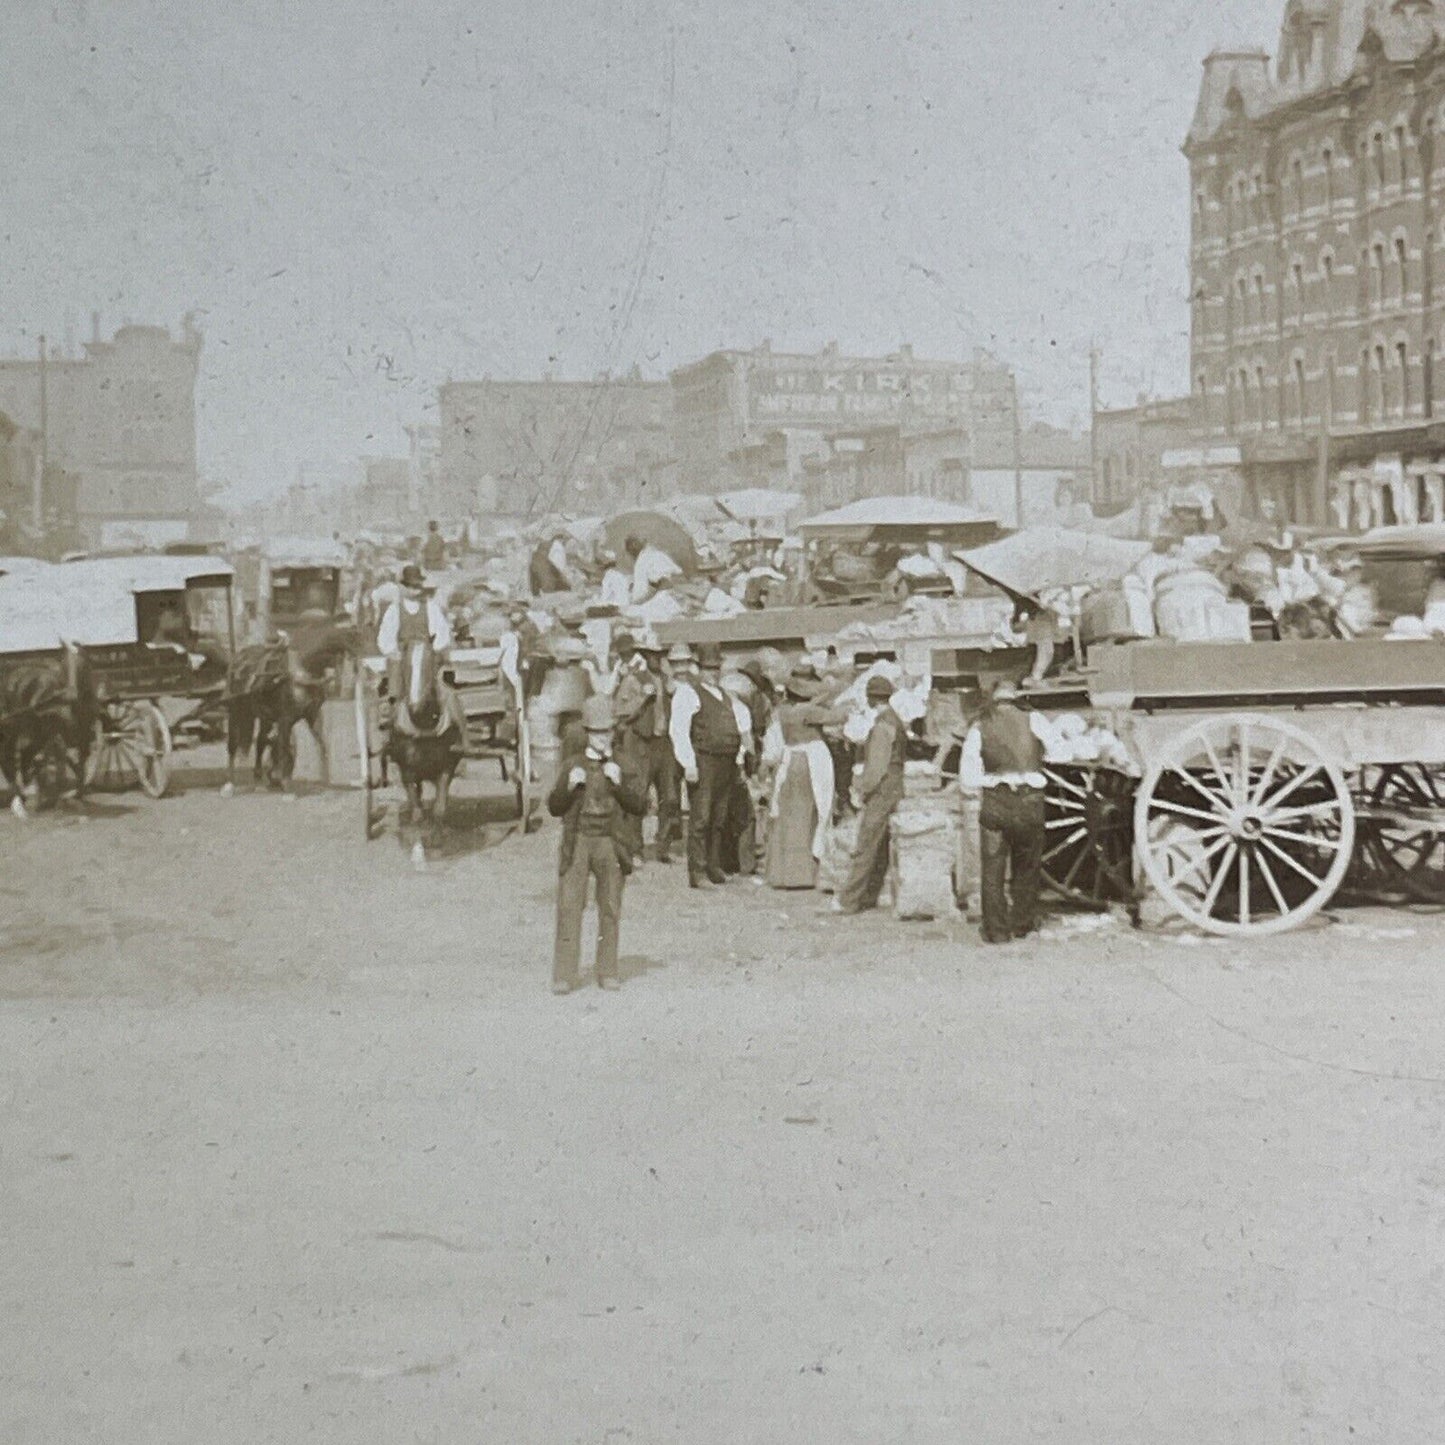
1089	834
1244	825
1403	833
132	740
368	747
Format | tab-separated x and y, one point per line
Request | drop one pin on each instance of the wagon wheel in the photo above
1244	825
131	739
1406	840
365	715
1089	834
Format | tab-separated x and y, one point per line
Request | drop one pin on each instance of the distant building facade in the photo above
531	447
1130	447
117	428
1318	261
733	409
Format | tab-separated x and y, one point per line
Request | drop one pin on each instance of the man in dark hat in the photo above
880	789
594	799
645	751
710	732
414	617
1003	760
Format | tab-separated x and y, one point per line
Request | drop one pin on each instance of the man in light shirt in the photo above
1003	760
710	731
651	567
415	616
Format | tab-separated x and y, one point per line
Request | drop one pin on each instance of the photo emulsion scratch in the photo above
722	722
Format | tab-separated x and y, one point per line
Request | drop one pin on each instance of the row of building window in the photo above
1384	390
1385	162
1389	282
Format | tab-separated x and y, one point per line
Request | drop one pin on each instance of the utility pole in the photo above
38	498
1093	424
1018	459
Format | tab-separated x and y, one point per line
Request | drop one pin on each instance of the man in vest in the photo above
642	707
415	616
709	730
880	789
594	800
1003	760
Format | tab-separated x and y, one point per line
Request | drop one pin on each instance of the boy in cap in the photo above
880	787
594	801
710	732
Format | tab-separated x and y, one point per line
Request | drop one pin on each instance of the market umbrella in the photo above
654	528
1040	558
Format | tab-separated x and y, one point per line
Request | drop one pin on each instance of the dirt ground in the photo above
298	1146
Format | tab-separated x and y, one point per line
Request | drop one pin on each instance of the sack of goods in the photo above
838	854
920	779
1194	606
925	846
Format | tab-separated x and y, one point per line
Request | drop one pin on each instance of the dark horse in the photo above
48	713
274	686
428	729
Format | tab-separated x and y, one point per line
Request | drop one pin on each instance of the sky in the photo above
361	199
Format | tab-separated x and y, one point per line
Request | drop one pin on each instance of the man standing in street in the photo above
1003	759
710	730
593	799
434	549
642	709
880	789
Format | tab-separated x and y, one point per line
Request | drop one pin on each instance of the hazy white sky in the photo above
364	197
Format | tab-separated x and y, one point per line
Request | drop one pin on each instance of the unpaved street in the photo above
298	1146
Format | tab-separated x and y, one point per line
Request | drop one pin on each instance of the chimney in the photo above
95	327
905	352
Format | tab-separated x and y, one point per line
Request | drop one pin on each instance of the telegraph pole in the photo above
1093	424
1018	460
37	504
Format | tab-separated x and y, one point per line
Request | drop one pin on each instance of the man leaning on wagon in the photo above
1003	760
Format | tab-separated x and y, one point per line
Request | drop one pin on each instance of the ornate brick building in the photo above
1318	260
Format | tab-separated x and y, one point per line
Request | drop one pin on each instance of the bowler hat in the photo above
878	689
625	644
597	714
412	576
709	655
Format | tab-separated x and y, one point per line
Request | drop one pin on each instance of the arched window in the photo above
1377	160
1402	267
1327	280
1377	376
1296	185
1364	387
1327	158
1259	314
1402	160
1297	369
1259	399
1402	365
1377	274
1297	278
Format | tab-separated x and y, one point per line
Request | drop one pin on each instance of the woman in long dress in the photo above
803	786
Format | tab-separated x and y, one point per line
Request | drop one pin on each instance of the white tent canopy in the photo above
905	511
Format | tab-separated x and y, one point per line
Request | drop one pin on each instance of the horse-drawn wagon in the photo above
149	628
1245	782
424	733
287	579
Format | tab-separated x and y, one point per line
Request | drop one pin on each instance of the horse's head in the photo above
419	669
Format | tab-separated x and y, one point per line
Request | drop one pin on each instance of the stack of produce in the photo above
925	845
1193	606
